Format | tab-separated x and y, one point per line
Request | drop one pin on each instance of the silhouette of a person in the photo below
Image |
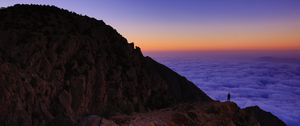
228	96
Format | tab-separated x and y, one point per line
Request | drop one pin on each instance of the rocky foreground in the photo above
191	114
61	68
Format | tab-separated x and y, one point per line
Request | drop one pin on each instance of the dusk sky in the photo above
161	25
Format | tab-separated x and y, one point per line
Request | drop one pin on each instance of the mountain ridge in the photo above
59	68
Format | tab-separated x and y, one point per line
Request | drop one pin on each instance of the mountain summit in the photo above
61	68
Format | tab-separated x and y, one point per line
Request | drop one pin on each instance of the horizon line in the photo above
223	50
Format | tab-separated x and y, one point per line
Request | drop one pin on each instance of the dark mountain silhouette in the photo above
61	68
265	118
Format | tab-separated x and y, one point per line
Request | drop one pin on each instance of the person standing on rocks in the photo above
228	96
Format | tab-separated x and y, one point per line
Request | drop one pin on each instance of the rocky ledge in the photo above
191	114
61	68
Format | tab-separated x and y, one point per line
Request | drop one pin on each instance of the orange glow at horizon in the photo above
281	35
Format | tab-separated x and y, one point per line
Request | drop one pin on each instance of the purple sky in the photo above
194	24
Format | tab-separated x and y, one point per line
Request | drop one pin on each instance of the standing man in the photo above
228	96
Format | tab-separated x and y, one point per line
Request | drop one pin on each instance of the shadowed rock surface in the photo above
195	114
264	118
198	114
60	68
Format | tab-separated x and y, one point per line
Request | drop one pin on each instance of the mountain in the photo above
265	118
61	68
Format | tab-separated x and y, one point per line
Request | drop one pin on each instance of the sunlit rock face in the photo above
60	68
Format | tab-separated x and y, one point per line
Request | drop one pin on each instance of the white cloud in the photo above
271	83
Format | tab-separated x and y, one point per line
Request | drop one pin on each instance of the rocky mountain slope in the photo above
61	68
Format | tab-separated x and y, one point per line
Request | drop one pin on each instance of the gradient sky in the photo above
160	25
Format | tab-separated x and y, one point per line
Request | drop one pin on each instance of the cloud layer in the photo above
273	83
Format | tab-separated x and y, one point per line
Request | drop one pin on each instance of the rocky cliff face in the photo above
58	64
57	68
264	118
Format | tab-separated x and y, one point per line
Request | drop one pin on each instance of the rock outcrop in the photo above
192	114
61	68
195	114
263	117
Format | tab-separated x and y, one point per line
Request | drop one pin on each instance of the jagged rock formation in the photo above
59	64
264	118
60	68
193	114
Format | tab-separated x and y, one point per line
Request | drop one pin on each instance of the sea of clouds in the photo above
269	80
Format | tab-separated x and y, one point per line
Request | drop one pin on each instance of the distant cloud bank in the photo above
273	83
